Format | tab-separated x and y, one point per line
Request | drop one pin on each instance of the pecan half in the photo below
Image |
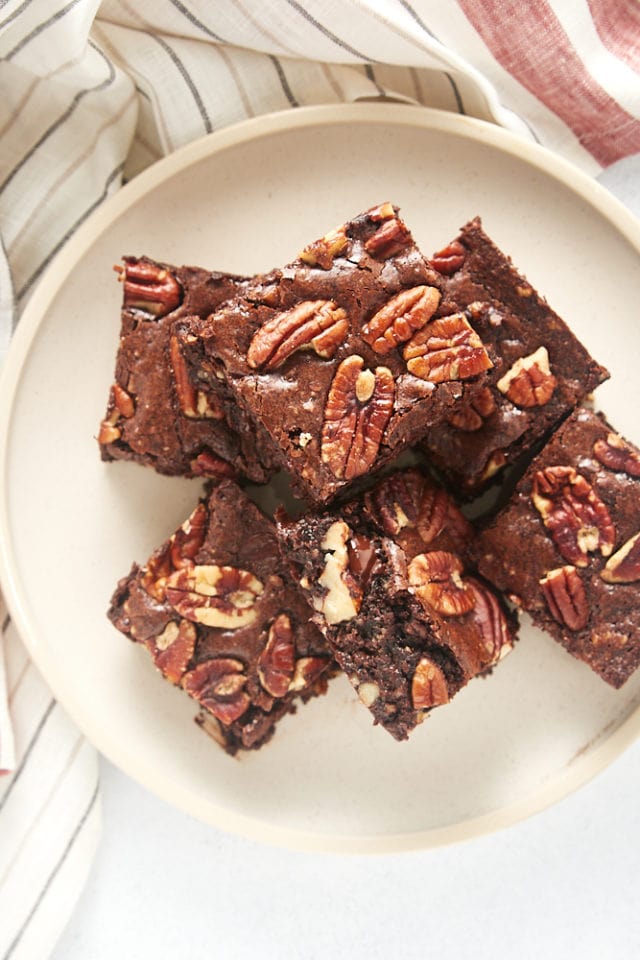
390	238
472	416
322	253
123	401
185	390
428	686
616	454
158	568
179	552
307	672
394	502
188	539
173	648
358	408
624	565
446	349
149	287
218	685
491	621
449	259
319	325
223	597
466	419
207	464
408	500
398	320
436	578
573	513
564	592
529	382
484	403
276	662
120	405
433	513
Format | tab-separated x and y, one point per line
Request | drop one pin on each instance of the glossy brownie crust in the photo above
216	609
155	415
340	358
408	620
567	546
529	393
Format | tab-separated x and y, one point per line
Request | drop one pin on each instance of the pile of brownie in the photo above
327	370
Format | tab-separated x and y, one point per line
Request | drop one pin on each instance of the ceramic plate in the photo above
243	200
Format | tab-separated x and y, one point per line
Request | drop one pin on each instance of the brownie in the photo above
566	548
155	415
339	358
216	608
541	371
388	574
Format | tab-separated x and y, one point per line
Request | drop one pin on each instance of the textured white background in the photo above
565	884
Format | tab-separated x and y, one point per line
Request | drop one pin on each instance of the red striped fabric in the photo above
528	40
618	26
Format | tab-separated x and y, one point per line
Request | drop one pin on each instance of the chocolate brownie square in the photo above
566	548
216	608
407	617
541	371
339	358
155	415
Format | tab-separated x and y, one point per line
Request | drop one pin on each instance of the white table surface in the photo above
565	883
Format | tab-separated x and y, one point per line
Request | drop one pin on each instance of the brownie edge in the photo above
216	609
407	617
566	547
340	358
541	370
156	416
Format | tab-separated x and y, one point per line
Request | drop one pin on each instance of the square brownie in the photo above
541	371
566	548
155	415
216	608
343	358
407	617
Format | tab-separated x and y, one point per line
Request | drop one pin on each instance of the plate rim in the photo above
582	767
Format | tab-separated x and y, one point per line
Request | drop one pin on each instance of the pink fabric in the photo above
618	25
529	41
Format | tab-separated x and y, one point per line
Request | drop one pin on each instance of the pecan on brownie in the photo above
217	610
156	415
566	548
541	370
407	617
342	359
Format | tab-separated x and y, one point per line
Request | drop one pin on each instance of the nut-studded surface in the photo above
358	408
157	414
217	610
541	371
357	295
567	545
389	576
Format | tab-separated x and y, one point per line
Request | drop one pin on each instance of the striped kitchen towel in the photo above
49	813
7	743
95	92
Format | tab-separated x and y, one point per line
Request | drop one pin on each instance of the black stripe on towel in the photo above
54	872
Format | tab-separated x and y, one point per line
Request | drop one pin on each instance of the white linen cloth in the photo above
93	93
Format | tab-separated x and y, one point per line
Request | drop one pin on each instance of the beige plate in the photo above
242	200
